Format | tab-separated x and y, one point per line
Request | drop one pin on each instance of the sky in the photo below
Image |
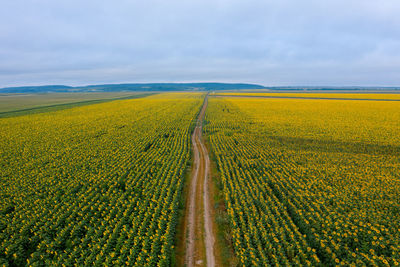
274	43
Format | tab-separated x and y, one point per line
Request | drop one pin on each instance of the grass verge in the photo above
225	255
178	259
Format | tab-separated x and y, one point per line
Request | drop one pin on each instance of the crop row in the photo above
95	185
309	188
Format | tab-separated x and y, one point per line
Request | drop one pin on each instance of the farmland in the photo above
291	181
365	96
308	182
12	105
97	184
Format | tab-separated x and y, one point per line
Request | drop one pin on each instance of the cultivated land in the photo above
336	96
24	104
98	184
309	182
298	181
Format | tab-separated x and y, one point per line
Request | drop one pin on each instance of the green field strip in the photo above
56	107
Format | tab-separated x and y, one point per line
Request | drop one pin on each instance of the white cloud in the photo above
270	42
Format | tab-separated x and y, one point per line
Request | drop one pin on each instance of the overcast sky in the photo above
285	42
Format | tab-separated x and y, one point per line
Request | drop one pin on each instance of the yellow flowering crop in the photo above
390	96
300	174
95	185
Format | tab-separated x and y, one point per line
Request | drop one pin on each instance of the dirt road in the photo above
199	227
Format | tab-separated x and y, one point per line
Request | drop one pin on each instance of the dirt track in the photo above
198	204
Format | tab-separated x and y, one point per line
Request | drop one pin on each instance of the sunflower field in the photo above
309	182
95	185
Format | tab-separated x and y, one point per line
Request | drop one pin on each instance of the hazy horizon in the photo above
179	82
285	43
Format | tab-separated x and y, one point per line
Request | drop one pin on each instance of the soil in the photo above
199	227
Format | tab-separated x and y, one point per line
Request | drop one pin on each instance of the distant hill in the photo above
151	87
132	87
36	89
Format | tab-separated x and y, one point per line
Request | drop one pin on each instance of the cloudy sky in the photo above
285	42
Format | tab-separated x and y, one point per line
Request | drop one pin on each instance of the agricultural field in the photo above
95	185
12	105
308	182
382	96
